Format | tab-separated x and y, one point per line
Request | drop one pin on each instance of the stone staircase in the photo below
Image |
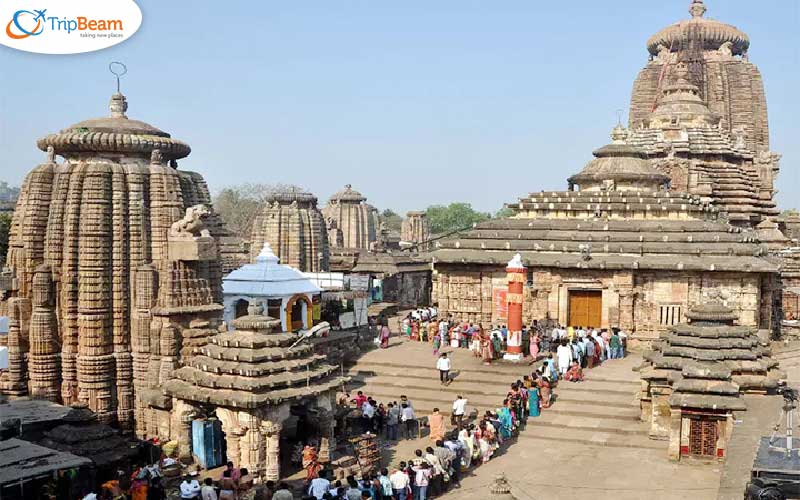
602	411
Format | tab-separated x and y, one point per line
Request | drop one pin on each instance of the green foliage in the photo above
453	217
393	221
5	226
792	212
238	205
503	213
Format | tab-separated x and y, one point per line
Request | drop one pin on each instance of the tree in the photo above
453	217
503	213
393	221
239	204
5	226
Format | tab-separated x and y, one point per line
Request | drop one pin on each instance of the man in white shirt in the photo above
407	416
400	482
319	486
443	365
459	409
190	488
367	414
564	357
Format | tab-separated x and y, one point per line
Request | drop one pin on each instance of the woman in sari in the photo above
544	392
385	334
437	343
414	330
497	344
486	352
311	462
534	347
533	398
455	337
506	420
483	435
468	440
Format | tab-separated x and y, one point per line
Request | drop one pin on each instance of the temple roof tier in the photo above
710	33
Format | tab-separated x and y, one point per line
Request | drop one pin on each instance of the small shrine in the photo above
254	379
693	377
283	291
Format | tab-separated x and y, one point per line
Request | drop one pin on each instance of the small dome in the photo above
711	311
618	162
348	194
115	134
712	34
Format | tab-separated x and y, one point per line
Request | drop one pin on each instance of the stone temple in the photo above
699	112
352	222
81	230
621	252
294	228
679	206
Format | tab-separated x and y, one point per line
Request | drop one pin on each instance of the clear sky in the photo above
413	102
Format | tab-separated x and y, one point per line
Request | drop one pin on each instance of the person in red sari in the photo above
544	392
384	335
311	462
414	330
575	373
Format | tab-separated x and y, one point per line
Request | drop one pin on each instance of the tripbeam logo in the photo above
68	28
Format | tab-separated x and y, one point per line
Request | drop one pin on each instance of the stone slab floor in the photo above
589	445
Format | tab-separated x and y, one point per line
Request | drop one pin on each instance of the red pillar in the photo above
516	279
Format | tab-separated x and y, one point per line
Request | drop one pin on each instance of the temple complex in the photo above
353	222
253	379
620	252
82	229
415	230
295	229
692	379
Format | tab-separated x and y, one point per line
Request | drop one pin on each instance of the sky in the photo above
414	103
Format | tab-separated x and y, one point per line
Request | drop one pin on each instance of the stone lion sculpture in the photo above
192	224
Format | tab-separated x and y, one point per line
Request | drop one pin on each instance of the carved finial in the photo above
156	158
348	186
697	9
51	154
118	106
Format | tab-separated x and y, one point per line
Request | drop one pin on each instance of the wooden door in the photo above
703	437
585	308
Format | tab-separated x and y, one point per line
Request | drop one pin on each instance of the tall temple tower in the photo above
349	212
295	229
698	109
81	229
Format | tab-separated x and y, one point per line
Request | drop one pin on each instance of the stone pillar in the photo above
43	359
516	280
273	463
185	436
675	428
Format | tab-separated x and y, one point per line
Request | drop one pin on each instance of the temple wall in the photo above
408	289
644	303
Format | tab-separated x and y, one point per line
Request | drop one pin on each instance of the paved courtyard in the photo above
590	444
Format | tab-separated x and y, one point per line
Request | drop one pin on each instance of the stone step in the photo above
567	408
609	425
517	370
489	386
589	437
577	392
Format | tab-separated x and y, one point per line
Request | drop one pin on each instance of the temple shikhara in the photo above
131	315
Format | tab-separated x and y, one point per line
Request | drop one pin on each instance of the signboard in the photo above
359	282
500	300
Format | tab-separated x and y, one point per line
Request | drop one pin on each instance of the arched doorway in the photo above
240	308
298	313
